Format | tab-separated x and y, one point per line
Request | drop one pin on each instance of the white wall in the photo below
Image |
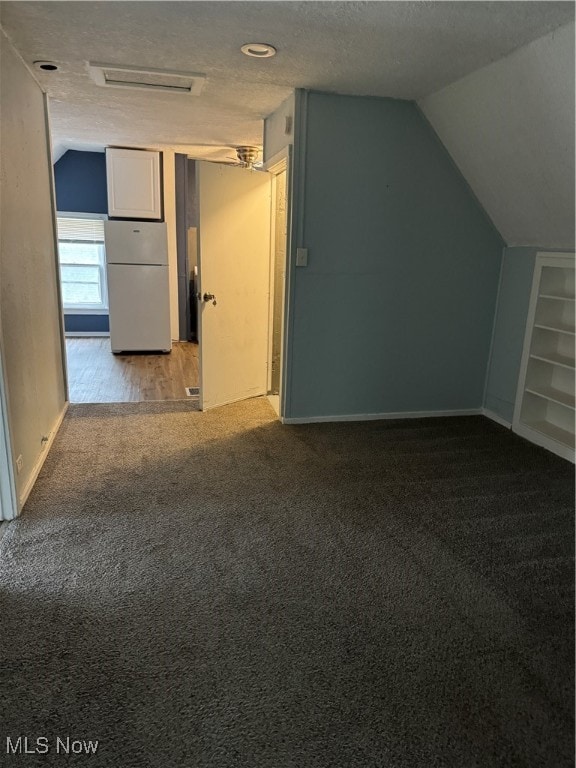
510	129
279	128
29	307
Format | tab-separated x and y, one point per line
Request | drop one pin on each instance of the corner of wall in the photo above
508	331
35	471
297	180
31	321
493	334
279	128
460	174
169	175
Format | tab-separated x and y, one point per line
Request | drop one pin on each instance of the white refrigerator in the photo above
138	292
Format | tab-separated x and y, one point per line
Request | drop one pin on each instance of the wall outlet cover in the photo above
301	257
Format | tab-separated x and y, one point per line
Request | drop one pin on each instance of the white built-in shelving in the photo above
545	407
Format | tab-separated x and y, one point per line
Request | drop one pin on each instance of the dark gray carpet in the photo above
219	591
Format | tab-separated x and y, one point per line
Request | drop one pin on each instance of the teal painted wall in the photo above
394	312
509	328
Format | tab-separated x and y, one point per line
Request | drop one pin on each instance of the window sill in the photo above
85	311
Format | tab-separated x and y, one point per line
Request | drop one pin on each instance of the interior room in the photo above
287	383
97	369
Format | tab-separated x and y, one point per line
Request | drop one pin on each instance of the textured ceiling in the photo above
401	49
510	129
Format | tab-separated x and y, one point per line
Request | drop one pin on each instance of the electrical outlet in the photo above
19	463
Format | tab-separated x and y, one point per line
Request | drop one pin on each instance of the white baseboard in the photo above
73	334
274	401
380	416
494	416
3	527
41	458
565	451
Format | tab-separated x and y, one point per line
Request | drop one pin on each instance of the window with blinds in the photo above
82	263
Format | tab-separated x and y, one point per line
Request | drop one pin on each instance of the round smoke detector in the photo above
258	50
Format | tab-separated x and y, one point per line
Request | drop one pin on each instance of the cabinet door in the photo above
134	184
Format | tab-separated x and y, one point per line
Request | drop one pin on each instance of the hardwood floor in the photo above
95	375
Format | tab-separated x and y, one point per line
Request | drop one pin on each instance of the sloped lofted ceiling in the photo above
510	129
399	49
502	104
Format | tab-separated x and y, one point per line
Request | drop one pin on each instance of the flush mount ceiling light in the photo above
258	50
248	156
46	66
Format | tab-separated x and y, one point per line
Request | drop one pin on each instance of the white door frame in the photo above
275	166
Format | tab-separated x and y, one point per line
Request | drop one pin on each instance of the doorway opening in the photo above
227	292
278	260
95	373
90	294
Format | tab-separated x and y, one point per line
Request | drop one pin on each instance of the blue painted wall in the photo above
395	310
80	183
87	323
509	329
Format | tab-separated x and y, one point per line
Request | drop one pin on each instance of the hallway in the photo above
95	375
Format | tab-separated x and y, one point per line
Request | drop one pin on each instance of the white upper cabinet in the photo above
134	183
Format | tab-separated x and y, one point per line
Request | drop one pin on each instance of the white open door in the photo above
234	268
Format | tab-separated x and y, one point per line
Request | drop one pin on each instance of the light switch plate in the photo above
301	257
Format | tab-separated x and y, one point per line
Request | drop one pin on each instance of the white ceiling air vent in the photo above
119	76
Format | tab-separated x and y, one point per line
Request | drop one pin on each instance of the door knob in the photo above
210	297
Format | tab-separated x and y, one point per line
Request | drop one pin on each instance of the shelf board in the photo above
554	395
556	359
555	297
562	436
557	328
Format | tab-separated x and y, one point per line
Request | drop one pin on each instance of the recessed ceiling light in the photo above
46	66
258	50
